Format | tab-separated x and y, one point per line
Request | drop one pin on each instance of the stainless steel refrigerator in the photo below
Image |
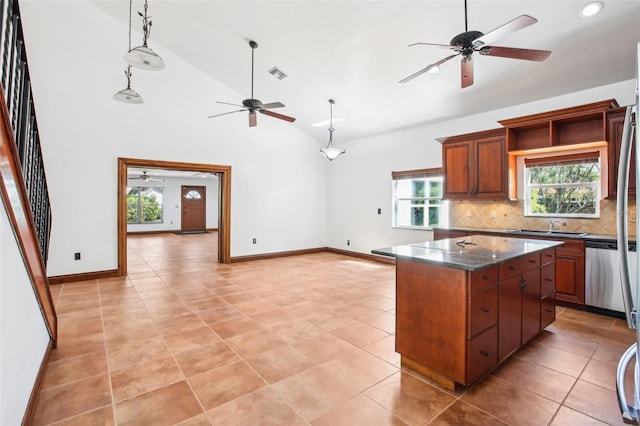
630	290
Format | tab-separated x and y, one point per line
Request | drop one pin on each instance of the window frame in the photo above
140	204
414	175
564	158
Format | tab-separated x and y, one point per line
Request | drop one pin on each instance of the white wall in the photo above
283	192
172	198
360	180
278	181
23	333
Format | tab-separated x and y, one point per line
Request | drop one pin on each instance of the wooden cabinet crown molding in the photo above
472	136
576	111
560	128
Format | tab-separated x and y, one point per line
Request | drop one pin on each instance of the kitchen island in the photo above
465	305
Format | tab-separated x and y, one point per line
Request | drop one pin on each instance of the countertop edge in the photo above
468	267
509	232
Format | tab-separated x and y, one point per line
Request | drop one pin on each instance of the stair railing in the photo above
22	170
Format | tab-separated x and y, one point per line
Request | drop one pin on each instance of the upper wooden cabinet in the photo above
569	126
615	124
475	166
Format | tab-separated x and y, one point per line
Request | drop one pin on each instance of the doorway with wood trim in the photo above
224	202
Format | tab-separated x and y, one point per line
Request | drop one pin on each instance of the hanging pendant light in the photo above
143	56
330	152
128	95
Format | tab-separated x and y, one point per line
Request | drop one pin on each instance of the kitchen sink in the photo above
548	232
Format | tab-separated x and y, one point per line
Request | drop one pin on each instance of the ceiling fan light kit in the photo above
144	57
330	152
468	42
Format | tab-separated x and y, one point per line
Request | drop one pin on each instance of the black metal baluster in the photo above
16	84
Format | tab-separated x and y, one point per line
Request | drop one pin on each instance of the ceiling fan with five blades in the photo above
146	178
468	42
252	105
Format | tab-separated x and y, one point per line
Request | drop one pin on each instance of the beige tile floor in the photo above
293	341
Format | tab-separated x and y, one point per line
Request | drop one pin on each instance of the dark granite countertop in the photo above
471	253
543	234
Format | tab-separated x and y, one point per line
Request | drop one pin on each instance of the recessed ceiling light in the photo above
592	9
325	122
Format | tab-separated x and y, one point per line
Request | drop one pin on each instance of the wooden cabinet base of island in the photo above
454	326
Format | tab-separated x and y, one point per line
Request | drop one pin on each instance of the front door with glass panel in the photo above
193	209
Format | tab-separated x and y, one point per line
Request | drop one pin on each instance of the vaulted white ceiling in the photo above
356	52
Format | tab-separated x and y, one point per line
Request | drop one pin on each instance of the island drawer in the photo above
518	266
548	256
547	310
483	310
482	355
484	278
548	279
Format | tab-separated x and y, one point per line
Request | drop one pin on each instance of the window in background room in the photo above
144	204
563	186
417	199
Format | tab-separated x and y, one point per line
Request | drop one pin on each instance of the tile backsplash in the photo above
509	215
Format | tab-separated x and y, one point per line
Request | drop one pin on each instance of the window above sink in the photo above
567	184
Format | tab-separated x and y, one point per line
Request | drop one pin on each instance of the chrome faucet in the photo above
552	224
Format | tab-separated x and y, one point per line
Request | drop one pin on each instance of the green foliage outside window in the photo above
564	189
418	203
144	205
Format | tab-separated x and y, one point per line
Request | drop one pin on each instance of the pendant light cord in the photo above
127	72
130	9
331	129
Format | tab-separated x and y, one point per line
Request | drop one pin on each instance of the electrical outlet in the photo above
76	255
254	241
379	211
348	242
494	214
468	213
632	218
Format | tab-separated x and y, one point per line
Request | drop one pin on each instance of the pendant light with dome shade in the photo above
128	95
330	152
144	57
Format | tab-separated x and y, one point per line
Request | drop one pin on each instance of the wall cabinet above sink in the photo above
569	126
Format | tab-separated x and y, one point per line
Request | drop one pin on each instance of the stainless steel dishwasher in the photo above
603	291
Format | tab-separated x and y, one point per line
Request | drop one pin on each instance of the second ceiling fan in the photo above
252	105
475	41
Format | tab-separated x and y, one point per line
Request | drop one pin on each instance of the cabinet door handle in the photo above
484	353
485	277
532	261
485	309
548	310
548	279
512	268
523	284
548	255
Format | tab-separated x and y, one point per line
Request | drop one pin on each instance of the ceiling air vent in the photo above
277	73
